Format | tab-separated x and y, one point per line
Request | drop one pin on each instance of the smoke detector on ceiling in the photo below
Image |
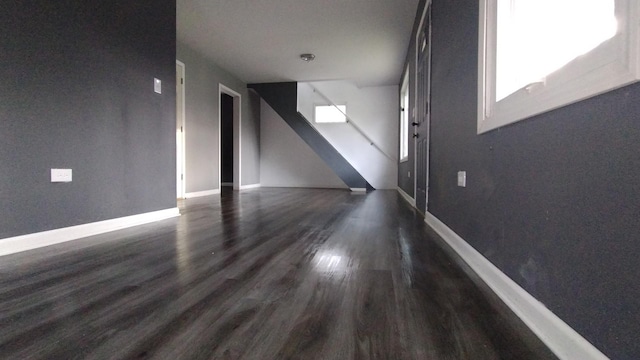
307	57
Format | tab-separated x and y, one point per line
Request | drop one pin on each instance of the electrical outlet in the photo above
408	173
61	175
462	178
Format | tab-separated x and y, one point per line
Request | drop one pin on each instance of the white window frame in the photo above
611	65
343	111
404	119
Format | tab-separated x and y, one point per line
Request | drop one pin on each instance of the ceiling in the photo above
363	41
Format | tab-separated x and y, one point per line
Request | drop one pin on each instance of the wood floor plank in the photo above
262	274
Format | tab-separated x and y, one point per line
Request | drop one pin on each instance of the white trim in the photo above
21	243
561	339
406	196
358	189
237	135
250	186
201	193
183	191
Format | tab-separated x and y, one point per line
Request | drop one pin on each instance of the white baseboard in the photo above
21	243
201	193
406	196
358	189
250	186
561	339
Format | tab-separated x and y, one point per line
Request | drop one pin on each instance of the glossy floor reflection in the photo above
262	274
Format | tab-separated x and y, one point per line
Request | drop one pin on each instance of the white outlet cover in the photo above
157	85
61	175
462	178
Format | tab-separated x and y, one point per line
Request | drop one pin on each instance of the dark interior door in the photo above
423	97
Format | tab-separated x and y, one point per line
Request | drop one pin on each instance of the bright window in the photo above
538	55
404	121
330	113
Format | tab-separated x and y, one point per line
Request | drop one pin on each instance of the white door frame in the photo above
181	164
237	148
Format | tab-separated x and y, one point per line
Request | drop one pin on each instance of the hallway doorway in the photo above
229	171
226	143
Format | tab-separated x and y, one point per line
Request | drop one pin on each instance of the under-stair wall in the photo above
369	138
282	97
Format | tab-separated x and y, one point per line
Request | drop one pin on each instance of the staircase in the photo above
283	98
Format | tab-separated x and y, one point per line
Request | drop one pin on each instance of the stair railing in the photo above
353	124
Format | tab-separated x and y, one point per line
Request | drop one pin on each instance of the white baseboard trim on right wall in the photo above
406	196
561	339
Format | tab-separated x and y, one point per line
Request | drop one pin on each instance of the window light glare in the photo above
404	126
330	113
537	37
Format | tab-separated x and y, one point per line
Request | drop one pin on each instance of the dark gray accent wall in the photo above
76	91
553	201
282	97
202	131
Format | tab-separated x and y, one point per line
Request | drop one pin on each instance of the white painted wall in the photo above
286	160
372	109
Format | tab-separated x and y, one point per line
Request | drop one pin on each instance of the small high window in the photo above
330	113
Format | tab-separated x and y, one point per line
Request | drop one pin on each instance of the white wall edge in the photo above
250	186
26	242
561	339
201	193
406	196
358	189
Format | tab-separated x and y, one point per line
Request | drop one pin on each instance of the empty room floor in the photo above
261	274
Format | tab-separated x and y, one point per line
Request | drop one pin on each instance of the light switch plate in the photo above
157	85
462	178
61	175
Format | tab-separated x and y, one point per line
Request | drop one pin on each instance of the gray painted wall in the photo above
286	160
251	140
202	122
77	92
553	201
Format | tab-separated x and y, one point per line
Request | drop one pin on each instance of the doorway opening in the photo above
226	141
180	139
229	172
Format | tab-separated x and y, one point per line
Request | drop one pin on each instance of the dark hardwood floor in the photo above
262	274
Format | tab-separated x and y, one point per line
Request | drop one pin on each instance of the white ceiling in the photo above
363	41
